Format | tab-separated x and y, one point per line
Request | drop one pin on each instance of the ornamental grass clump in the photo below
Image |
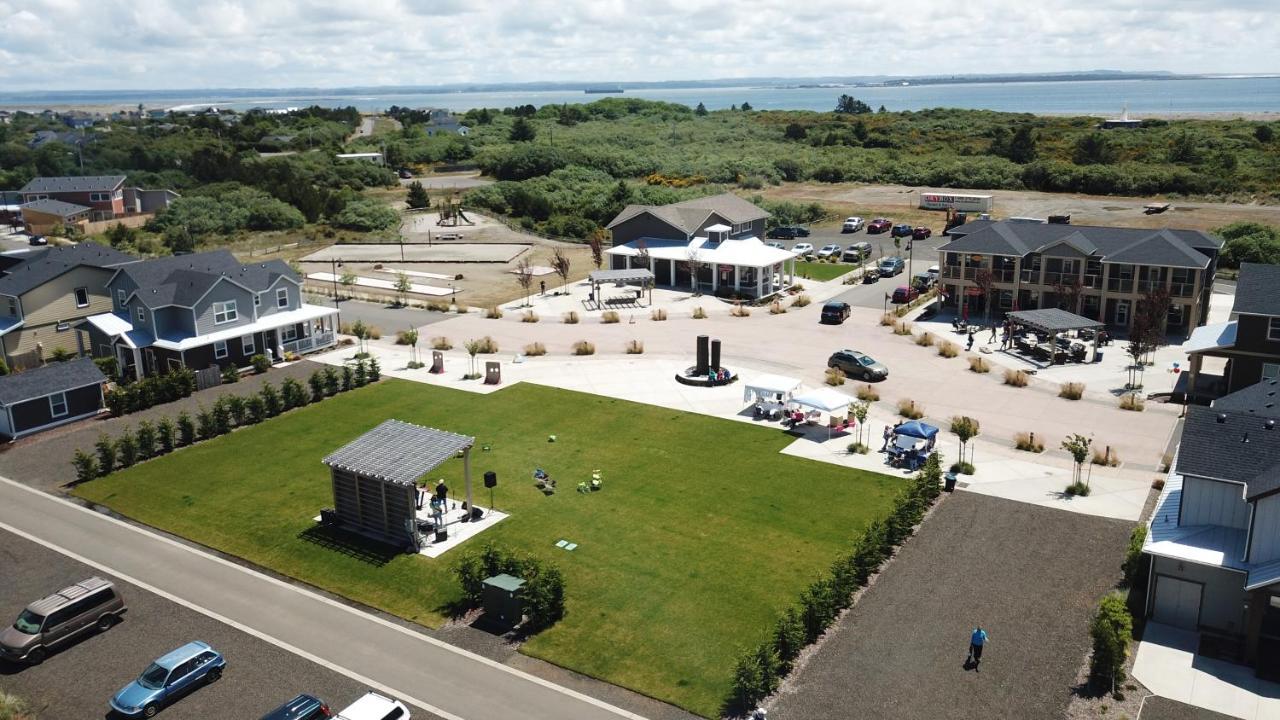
866	393
948	349
610	317
909	409
535	349
635	347
924	339
1016	378
834	376
1028	442
582	347
493	313
1071	391
979	365
571	318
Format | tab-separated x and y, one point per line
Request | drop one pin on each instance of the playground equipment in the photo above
451	214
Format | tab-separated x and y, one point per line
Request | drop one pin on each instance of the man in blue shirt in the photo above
976	641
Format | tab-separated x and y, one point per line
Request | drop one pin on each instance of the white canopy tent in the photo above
824	400
769	387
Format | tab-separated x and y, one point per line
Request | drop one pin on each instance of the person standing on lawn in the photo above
976	642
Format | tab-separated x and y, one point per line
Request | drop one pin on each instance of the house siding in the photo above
1222	600
1209	502
55	300
645	225
37	411
1251	336
1264	541
268	306
224	290
121	282
173	322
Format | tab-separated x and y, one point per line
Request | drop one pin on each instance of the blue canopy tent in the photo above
917	429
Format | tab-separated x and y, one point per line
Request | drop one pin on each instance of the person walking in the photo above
969	346
542	287
888	435
993	332
977	641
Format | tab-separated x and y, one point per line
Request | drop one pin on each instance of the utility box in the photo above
502	603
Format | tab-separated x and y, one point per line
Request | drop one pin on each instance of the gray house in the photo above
1214	537
49	396
204	310
1250	341
1098	272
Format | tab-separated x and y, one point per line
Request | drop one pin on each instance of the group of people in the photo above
717	375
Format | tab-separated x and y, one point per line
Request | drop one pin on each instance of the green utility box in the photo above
502	603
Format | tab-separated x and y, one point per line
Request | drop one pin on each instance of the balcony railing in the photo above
1182	289
309	344
1092	281
1145	286
1031	276
1120	285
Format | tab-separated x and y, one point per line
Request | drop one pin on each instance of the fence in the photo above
207	378
101	226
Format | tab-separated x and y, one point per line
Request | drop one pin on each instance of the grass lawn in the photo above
702	533
823	271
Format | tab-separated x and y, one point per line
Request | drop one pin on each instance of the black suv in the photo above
834	312
787	232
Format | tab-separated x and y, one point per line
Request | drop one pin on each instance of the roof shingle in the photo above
84	183
37	268
1258	290
52	378
1141	246
688	215
1237	439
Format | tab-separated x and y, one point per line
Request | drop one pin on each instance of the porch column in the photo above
466	474
137	364
737	279
759	282
715	277
672	265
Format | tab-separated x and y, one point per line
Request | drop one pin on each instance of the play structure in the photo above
451	214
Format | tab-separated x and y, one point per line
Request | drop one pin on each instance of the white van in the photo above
373	706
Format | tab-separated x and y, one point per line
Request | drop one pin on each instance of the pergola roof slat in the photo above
398	452
1053	320
624	275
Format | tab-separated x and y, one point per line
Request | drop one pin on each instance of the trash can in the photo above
501	600
950	479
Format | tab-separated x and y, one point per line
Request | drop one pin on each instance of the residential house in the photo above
207	309
78	119
5	117
142	202
42	217
1098	272
74	139
48	396
102	194
718	235
1250	341
1214	536
46	293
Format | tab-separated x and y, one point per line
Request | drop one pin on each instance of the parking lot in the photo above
78	681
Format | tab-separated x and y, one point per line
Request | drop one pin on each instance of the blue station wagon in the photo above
168	679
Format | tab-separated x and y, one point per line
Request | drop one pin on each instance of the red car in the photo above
878	225
921	233
904	294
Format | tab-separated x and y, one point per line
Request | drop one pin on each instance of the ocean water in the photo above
1099	97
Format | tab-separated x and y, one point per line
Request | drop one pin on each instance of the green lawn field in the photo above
700	536
823	271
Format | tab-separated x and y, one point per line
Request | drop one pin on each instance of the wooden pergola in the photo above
644	276
1053	322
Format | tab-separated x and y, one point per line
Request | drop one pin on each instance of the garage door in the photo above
1177	602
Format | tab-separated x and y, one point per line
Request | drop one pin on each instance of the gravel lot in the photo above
77	682
1158	708
1030	576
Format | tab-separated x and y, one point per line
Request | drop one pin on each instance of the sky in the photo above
177	44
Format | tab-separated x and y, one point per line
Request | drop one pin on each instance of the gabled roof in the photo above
1140	246
688	215
39	267
85	183
1236	439
56	207
1258	290
1078	241
398	452
184	279
52	378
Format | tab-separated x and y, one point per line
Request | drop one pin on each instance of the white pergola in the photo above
746	264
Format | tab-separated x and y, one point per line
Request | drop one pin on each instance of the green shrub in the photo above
146	439
360	376
257	409
293	394
205	427
127	448
186	429
316	383
108	365
164	436
543	593
788	639
221	416
230	374
272	404
106	450
348	378
238	408
1111	629
260	363
1133	556
332	381
86	466
962	468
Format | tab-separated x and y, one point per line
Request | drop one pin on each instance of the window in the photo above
82	297
394	714
257	300
282	298
1273	328
220	349
58	404
13	307
62	326
1270	371
224	312
142	316
289	333
246	344
174	364
99	197
120	297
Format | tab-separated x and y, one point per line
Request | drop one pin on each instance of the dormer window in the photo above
1273	328
120	297
282	298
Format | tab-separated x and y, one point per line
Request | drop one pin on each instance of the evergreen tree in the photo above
418	198
522	131
700	110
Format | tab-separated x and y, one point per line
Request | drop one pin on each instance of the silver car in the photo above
857	365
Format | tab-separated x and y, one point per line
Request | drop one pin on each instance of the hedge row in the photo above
542	593
152	390
759	670
227	413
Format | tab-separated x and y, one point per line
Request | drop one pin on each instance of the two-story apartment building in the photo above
204	310
45	295
103	195
1098	272
1250	341
1214	537
719	235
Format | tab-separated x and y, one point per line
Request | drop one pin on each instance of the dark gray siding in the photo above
269	299
223	291
645	225
173	323
37	412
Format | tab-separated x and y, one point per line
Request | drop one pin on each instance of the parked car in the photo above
856	252
788	232
168	679
857	365
303	707
934	273
871	275
852	224
922	281
891	266
904	294
777	245
51	623
827	251
901	230
405	173
834	312
920	233
802	249
878	225
372	706
38	240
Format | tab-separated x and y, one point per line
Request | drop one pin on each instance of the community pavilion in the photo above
715	262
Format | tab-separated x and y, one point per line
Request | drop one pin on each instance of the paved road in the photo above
387	318
77	681
923	253
420	670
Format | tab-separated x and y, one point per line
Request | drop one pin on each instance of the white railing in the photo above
309	344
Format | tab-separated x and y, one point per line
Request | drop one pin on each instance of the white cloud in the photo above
156	44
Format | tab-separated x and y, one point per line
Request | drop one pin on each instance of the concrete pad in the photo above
418	252
415	273
1167	665
361	281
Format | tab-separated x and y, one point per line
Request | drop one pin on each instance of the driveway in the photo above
387	318
1030	576
78	681
1158	708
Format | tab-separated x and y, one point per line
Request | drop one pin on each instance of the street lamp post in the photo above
334	264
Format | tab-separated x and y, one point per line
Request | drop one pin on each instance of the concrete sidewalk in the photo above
1168	665
426	672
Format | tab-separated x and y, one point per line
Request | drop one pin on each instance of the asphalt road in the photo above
382	654
78	681
385	317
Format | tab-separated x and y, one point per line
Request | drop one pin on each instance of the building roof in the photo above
49	379
743	251
688	215
1212	545
1139	246
184	279
56	207
39	267
1053	320
631	275
1257	290
398	452
84	183
1236	439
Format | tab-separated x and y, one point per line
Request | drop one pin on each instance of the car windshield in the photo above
28	622
866	361
153	677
